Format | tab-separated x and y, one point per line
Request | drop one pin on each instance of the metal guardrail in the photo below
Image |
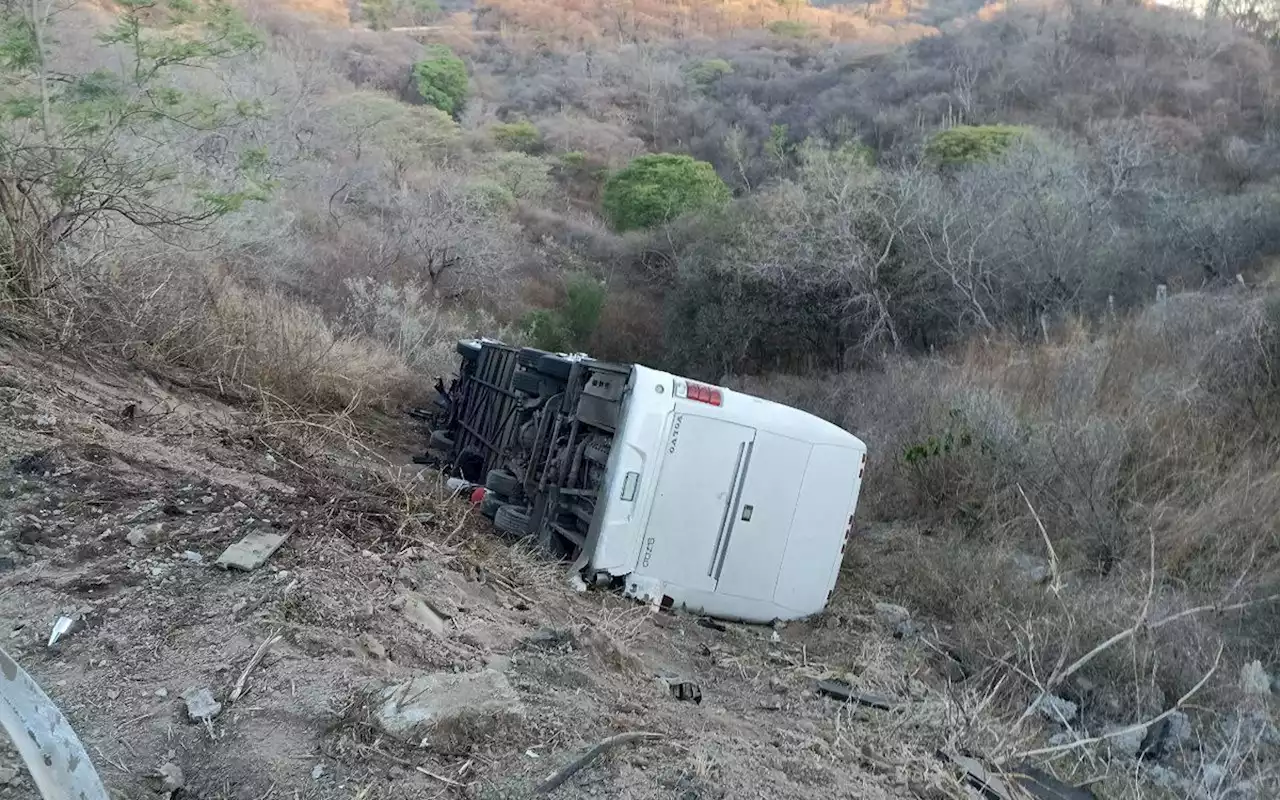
54	755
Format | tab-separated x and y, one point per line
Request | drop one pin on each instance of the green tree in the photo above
707	71
441	79
969	144
383	14
654	189
522	136
104	148
571	325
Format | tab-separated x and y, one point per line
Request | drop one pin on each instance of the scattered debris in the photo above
252	551
557	778
201	707
715	625
243	680
688	691
1022	780
420	612
436	705
847	694
61	628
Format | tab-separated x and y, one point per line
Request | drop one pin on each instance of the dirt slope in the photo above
117	492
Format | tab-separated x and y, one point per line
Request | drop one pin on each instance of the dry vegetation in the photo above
307	237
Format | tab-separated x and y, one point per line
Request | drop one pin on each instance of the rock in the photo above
896	618
162	692
1031	569
193	556
499	663
1127	744
143	535
374	648
200	704
1254	680
7	775
171	777
1166	736
112	694
1167	779
317	772
445	707
890	614
1056	709
417	610
251	552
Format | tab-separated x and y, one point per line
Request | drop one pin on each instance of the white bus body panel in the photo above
740	511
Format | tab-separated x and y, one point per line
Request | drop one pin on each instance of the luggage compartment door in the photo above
760	522
703	465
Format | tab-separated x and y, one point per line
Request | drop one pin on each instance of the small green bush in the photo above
969	144
570	326
654	189
792	29
441	79
707	71
522	136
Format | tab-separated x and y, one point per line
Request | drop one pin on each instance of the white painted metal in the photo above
739	510
56	759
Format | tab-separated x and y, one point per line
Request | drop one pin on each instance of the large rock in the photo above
896	618
448	709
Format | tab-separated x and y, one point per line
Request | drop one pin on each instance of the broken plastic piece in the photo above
60	628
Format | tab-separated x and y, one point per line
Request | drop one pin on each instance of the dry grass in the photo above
1146	446
258	345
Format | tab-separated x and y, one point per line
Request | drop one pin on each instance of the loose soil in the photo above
90	454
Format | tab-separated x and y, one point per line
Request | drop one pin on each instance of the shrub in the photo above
707	71
524	176
654	189
570	326
967	144
790	28
522	136
441	79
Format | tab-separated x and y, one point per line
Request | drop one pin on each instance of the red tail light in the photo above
697	391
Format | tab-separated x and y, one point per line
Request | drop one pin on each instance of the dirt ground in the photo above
117	493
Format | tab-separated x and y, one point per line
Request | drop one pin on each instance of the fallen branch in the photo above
1140	726
243	681
1055	578
555	779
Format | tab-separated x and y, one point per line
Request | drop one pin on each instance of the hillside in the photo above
1025	251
